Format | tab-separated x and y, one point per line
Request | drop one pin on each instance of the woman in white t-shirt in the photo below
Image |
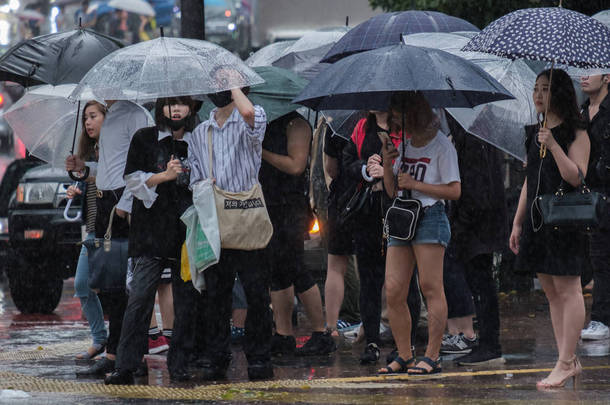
428	168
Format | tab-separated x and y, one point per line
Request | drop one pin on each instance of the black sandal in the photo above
404	366
436	367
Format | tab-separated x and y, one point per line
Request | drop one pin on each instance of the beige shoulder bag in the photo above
242	217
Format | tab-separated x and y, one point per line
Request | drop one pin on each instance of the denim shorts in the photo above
433	228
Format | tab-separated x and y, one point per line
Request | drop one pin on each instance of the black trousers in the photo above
371	270
255	277
480	280
113	302
142	289
599	254
457	292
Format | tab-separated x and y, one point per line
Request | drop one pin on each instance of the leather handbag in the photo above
107	260
356	203
243	219
581	209
402	218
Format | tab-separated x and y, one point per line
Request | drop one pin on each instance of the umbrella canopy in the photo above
48	136
165	67
366	81
500	123
275	95
342	122
386	29
55	59
133	6
551	34
268	54
603	17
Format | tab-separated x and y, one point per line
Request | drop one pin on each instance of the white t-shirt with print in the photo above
435	163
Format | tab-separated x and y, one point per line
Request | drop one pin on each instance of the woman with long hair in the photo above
92	120
557	256
427	167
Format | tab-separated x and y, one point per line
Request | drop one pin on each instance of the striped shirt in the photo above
237	151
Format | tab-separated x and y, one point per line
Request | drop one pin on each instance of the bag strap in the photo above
108	234
210	151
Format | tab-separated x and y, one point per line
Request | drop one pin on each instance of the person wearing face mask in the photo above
237	128
156	173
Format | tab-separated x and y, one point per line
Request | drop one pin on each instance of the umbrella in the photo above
268	54
342	122
365	81
133	6
166	67
275	95
55	59
44	119
30	15
603	17
500	123
551	34
386	29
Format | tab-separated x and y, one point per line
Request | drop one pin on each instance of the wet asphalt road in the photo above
37	351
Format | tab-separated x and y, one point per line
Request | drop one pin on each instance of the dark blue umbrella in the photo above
366	81
386	29
552	34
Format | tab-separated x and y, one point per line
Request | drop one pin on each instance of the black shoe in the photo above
481	356
180	375
260	371
320	343
142	370
98	369
119	377
370	354
283	345
211	371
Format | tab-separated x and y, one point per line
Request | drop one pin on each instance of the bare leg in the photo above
166	304
400	263
239	317
283	304
463	324
334	289
312	301
430	266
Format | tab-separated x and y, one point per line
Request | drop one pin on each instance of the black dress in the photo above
558	252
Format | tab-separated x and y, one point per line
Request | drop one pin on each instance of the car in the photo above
42	247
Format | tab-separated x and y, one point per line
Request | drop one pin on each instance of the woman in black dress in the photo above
556	255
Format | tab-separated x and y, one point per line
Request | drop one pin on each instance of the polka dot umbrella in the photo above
551	34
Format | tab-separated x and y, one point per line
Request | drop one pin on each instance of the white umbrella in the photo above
133	6
166	67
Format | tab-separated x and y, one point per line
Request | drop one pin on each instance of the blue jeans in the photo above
89	302
433	228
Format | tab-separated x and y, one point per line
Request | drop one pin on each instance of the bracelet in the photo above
365	175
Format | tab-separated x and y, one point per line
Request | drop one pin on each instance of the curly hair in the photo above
563	100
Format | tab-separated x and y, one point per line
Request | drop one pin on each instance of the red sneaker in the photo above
158	345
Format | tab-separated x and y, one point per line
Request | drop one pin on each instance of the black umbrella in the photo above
59	58
366	81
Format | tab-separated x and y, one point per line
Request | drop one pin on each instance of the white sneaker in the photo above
595	331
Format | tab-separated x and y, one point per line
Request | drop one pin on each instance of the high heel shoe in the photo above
574	373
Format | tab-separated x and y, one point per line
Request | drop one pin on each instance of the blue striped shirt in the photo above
237	151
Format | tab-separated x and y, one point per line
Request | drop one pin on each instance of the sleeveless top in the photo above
551	251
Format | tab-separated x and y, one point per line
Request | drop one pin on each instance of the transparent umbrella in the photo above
165	67
268	54
500	123
604	17
133	6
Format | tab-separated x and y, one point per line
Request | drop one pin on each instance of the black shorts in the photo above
286	249
340	239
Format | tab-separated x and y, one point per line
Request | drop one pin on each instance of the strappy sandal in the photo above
404	366
436	367
99	348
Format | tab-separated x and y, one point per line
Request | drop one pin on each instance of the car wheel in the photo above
34	295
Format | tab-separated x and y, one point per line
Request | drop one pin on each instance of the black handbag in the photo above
356	203
581	209
402	218
107	260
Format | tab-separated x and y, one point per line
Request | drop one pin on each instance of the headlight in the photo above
3	225
36	193
231	26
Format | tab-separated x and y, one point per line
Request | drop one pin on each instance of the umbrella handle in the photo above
546	110
77	178
67	217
